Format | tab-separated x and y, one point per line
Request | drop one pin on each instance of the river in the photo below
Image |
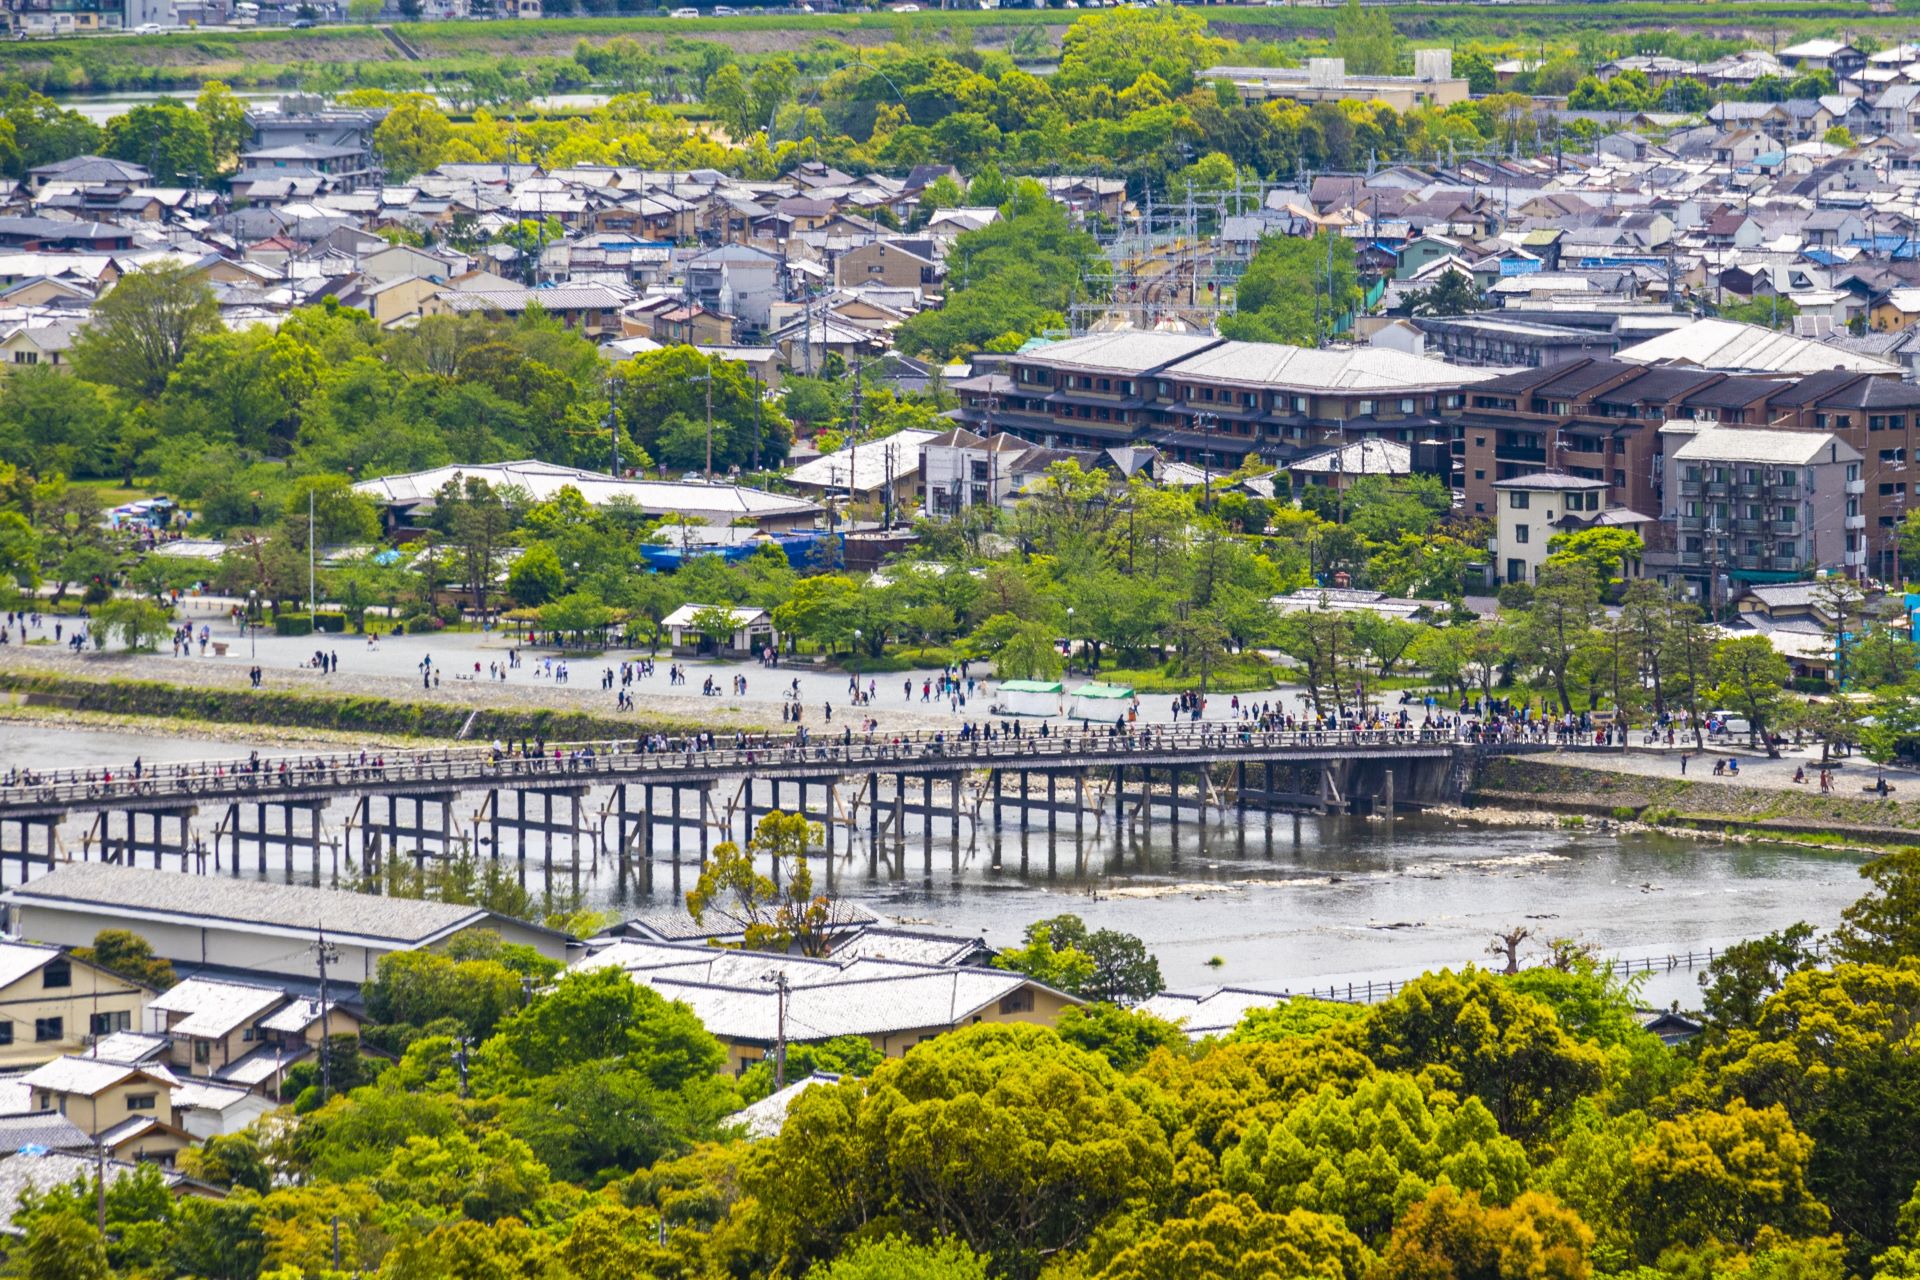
1277	902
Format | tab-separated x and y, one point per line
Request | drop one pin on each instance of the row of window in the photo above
49	1029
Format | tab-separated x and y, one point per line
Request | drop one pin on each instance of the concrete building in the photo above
1194	396
240	927
1530	510
1749	505
1432	83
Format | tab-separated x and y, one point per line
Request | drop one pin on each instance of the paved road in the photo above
392	668
1850	774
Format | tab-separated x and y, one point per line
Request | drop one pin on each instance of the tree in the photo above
226	118
64	1246
1508	1048
138	334
1749	676
413	138
1565	607
1295	290
1839	136
169	138
602	1013
1122	972
1453	294
478	521
1745	975
1126	1037
1366	39
1230	1237
1450	1236
1013	1142
1606	551
536	576
130	956
897	1258
139	625
663	395
777	913
1883	925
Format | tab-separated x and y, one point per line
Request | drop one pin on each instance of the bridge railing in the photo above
616	761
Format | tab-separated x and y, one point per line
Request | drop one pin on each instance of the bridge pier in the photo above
48	825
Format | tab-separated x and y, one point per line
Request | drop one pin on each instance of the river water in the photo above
1279	903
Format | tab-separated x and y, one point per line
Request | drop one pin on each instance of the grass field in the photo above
280	57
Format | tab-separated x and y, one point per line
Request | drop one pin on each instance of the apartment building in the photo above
1601	420
1757	505
1204	400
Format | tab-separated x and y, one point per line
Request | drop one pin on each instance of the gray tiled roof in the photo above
47	1129
23	1172
146	894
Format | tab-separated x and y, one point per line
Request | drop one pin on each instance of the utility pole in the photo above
613	425
709	382
325	953
781	987
100	1184
853	432
310	556
460	1047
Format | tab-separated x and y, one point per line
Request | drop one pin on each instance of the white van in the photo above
1731	725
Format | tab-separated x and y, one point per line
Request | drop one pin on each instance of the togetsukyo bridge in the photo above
638	806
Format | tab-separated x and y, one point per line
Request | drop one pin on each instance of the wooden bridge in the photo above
627	801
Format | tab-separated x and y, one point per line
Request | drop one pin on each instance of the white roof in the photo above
18	959
765	1118
1208	1011
1726	345
260	1066
215	1009
686	613
1361	458
205	1094
130	1047
41	1172
88	1076
1752	444
543	480
301	1012
869	463
1348	369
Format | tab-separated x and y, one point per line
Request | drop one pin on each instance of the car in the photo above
725	11
302	24
148	29
684	13
906	8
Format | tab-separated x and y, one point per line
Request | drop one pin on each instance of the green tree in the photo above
897	1258
780	912
138	625
129	955
535	576
1453	294
1018	1145
1220	1236
1507	1048
1883	925
602	1013
138	334
1366	39
1749	677
1126	1037
63	1246
1450	1236
169	138
1298	291
413	138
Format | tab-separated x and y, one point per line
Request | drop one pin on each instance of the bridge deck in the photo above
320	778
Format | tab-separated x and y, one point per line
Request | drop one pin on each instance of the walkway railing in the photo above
455	767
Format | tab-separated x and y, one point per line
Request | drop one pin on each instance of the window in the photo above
1479	442
141	1101
45	1029
58	973
1786	475
105	1024
1520	534
202	1051
1787	551
1518	501
1479	474
1020	1001
6	1032
1406	406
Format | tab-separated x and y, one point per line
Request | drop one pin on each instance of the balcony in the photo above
1786	528
1518	453
1690	488
1784	492
1856	522
1748	490
1856	487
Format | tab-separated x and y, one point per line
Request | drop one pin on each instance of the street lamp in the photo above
253	597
